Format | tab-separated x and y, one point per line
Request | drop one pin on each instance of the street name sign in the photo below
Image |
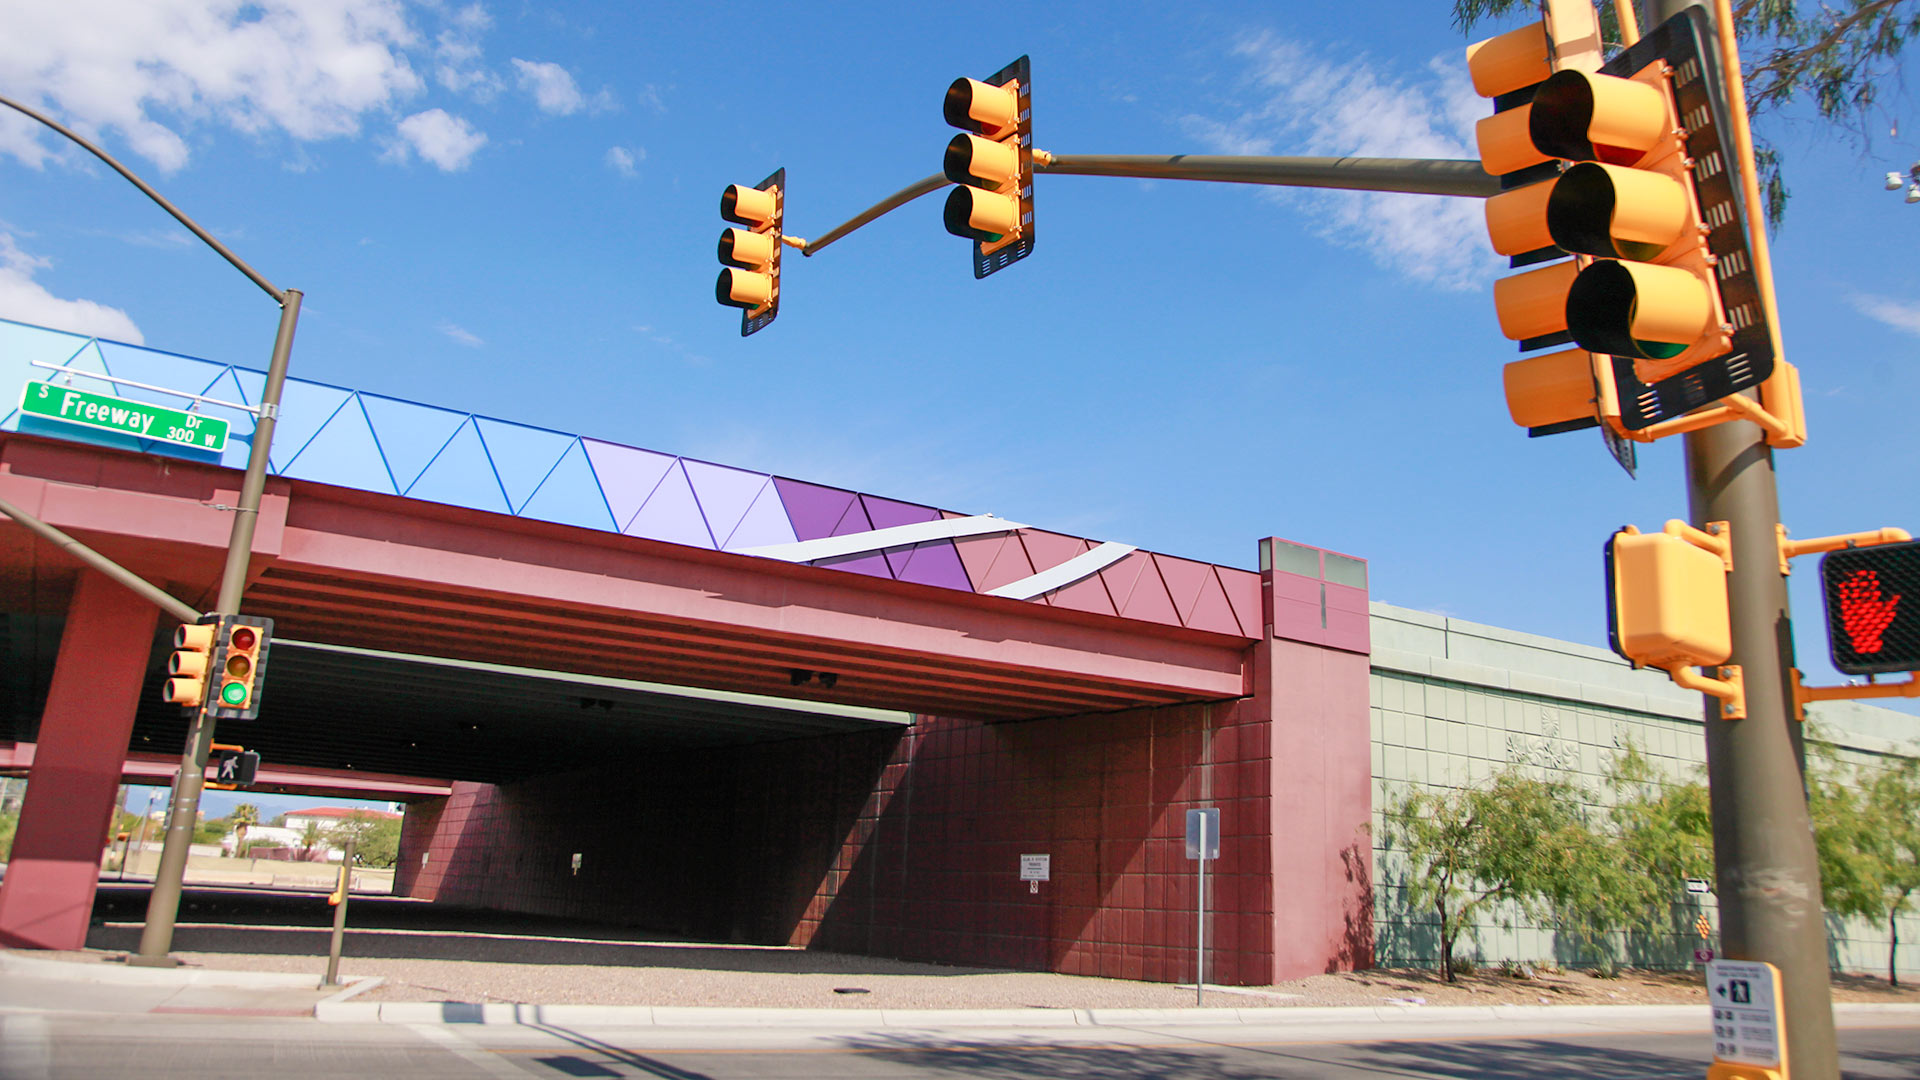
1745	998
108	413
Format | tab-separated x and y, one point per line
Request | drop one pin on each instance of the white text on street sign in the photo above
137	418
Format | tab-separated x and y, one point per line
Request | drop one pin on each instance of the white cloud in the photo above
150	69
552	87
457	53
1298	103
622	160
1902	315
462	335
26	300
438	137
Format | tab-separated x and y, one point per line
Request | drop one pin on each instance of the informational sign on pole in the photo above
1035	869
1747	1022
1203	844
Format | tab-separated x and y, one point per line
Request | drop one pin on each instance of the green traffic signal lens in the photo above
234	693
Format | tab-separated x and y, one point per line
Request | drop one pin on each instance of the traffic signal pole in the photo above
1766	867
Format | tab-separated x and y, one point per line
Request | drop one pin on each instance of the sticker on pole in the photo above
1747	1025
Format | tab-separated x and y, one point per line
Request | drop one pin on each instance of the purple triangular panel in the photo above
765	523
932	563
815	511
885	514
627	476
724	495
672	514
855	520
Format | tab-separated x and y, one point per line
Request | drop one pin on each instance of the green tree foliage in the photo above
1515	843
1838	56
244	816
9	821
211	832
1867	827
376	839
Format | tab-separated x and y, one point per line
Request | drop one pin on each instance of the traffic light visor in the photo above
1586	117
1637	309
1534	304
1517	219
981	215
743	289
196	636
747	250
983	108
982	162
747	206
1505	142
1616	212
1553	389
1509	62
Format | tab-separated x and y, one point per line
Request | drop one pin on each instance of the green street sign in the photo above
137	418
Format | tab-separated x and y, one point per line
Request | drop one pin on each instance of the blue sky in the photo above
512	208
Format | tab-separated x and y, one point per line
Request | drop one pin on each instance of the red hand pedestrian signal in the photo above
1864	611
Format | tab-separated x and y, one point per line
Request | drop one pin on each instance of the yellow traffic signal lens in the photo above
1585	117
1616	212
746	206
972	105
981	162
743	289
1515	59
1534	304
239	667
981	215
1553	389
748	250
1637	309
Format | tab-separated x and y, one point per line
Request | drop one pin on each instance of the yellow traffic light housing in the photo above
187	668
993	165
1667	606
752	254
239	667
1628	167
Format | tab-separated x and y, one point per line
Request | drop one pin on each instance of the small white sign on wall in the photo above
1035	869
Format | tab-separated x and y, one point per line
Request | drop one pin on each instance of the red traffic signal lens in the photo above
243	638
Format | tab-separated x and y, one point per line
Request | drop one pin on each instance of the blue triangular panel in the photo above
461	475
86	359
20	346
239	424
765	522
343	453
671	513
304	408
156	368
409	434
570	495
522	456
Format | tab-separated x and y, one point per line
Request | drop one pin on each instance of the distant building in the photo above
328	817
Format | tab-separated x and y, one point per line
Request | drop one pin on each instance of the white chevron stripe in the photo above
828	547
1075	569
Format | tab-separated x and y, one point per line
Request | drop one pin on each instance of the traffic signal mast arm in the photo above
1413	176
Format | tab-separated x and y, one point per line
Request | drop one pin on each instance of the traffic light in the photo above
1667	597
752	254
1873	607
1621	180
993	165
233	766
187	668
239	667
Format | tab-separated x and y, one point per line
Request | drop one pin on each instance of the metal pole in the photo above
163	905
1415	176
1766	867
1200	923
340	917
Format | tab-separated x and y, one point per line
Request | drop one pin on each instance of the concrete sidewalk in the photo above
30	983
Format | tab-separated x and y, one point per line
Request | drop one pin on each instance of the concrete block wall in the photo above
1452	702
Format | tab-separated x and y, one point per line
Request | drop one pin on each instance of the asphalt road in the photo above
69	1046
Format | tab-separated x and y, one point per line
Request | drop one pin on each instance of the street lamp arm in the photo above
239	264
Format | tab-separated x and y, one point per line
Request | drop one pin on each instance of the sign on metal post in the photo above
122	416
1203	844
1035	869
1747	1022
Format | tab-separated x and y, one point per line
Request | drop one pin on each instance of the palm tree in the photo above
242	816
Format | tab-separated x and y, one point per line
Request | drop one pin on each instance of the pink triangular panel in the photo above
1046	550
1243	592
1211	611
1089	594
993	561
1184	578
1147	599
765	523
627	476
724	494
672	514
1122	577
